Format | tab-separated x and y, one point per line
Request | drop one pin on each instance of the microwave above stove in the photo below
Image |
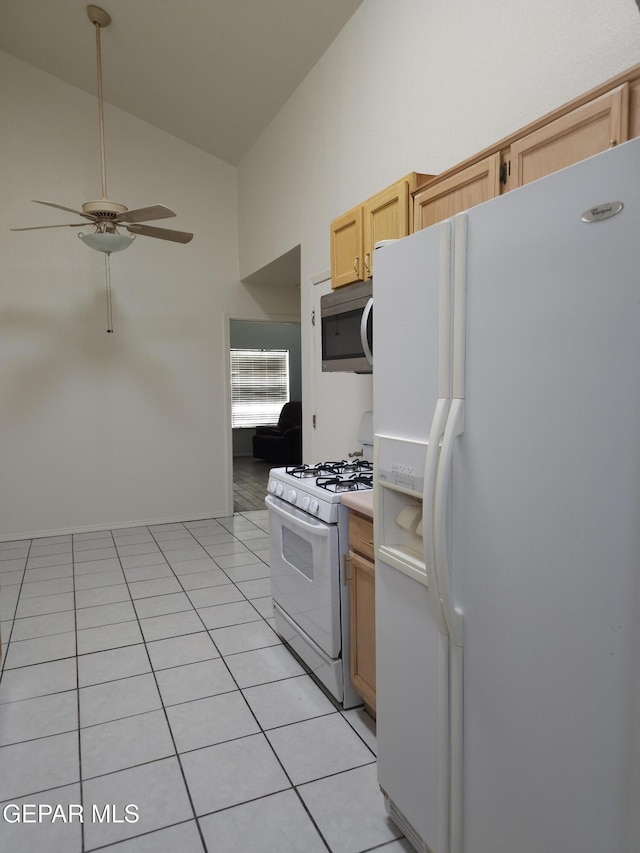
347	328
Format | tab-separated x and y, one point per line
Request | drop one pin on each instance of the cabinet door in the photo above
362	610
587	130
464	189
346	248
386	217
361	534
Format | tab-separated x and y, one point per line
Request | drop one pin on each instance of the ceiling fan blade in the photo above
65	225
145	214
160	233
61	207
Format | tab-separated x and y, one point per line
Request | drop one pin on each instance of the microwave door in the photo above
347	337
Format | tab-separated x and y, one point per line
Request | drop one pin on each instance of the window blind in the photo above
259	386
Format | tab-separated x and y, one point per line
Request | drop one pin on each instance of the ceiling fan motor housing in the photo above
104	209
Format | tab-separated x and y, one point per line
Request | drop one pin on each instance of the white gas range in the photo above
308	528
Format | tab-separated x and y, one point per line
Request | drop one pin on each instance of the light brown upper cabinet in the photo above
441	199
591	123
347	248
580	133
385	216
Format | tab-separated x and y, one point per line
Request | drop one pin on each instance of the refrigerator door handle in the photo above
436	432
452	617
454	428
363	331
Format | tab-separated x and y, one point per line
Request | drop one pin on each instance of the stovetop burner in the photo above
331	469
304	472
356	466
354	483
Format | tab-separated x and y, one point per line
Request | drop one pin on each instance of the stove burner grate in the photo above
328	469
355	483
304	472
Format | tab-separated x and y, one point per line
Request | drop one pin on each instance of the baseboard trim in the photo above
110	525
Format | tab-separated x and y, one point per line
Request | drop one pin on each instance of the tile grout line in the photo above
166	716
15	610
75	622
111	844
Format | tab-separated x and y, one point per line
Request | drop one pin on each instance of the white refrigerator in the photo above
507	519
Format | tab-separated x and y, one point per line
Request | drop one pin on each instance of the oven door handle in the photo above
317	528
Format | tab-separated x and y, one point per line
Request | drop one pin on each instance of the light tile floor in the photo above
142	668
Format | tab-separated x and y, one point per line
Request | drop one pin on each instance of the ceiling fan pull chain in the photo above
107	270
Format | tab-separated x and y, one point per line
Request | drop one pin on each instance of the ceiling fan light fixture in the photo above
107	241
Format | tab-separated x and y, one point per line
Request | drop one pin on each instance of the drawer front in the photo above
361	534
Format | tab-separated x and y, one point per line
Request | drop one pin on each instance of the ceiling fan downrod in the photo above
100	19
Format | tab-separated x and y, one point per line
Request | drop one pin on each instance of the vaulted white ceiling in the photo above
211	72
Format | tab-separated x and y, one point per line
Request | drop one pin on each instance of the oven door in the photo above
305	572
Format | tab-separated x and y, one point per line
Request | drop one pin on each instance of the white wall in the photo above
96	429
413	85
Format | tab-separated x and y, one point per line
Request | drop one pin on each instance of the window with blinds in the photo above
259	386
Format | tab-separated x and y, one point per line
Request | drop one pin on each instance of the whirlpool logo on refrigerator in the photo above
602	211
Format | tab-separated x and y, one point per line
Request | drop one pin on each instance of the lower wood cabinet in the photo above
362	609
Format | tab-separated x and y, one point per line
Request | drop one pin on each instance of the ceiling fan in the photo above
108	216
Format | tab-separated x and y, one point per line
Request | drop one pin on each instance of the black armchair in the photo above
281	443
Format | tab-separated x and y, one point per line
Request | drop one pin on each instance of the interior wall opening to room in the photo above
265	373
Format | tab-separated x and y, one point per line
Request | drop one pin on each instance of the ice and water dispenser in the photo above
398	499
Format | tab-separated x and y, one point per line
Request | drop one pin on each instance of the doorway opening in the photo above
262	349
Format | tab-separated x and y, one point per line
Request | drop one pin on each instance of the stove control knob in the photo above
314	506
279	489
272	486
305	502
291	496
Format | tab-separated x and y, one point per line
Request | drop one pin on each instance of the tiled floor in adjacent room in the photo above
141	668
250	478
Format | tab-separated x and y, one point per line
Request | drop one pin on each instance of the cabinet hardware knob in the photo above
613	143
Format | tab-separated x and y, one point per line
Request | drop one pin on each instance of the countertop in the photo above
362	502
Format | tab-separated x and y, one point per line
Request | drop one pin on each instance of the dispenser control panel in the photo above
401	463
403	475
